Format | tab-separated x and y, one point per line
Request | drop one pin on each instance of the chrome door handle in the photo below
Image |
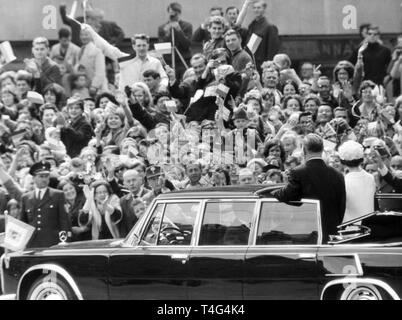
307	256
180	257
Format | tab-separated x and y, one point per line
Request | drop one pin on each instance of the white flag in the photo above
163	48
7	52
17	234
254	43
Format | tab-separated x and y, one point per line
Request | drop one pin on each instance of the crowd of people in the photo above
90	135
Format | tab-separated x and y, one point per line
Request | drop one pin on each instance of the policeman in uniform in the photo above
157	181
44	209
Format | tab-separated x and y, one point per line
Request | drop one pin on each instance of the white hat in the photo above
350	151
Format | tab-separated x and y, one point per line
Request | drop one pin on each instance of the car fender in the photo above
351	281
57	271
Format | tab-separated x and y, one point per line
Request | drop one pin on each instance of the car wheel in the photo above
361	292
56	289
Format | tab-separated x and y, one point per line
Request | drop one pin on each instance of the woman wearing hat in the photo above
360	185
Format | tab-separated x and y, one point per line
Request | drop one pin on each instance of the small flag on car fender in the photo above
17	235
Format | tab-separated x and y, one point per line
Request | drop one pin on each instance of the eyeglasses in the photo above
373	33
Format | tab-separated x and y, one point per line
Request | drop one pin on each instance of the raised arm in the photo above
243	12
107	49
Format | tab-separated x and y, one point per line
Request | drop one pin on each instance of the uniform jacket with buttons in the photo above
48	216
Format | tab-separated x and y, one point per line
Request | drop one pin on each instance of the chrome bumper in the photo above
8	297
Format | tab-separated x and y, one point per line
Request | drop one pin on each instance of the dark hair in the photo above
295	97
151	73
346	65
367	84
305	114
294	84
48	106
313	143
373	27
175	7
97	184
313	98
139	37
221	52
64	33
65	182
226	174
271	144
217	8
75	76
340	109
105	95
58	91
232	8
362	27
161	94
231	32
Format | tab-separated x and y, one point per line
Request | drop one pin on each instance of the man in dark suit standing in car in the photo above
315	180
44	209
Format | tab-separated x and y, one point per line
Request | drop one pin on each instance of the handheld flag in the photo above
6	51
163	48
254	43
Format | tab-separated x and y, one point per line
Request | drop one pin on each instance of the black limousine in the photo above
221	243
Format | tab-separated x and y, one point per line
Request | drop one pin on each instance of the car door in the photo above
281	263
158	267
217	261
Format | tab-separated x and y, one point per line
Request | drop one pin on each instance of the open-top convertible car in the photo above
221	243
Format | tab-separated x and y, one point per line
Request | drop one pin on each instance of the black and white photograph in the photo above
197	156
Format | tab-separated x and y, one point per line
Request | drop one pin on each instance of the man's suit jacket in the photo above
315	180
129	217
71	56
48	216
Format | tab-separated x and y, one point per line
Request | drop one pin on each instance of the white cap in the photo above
350	151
